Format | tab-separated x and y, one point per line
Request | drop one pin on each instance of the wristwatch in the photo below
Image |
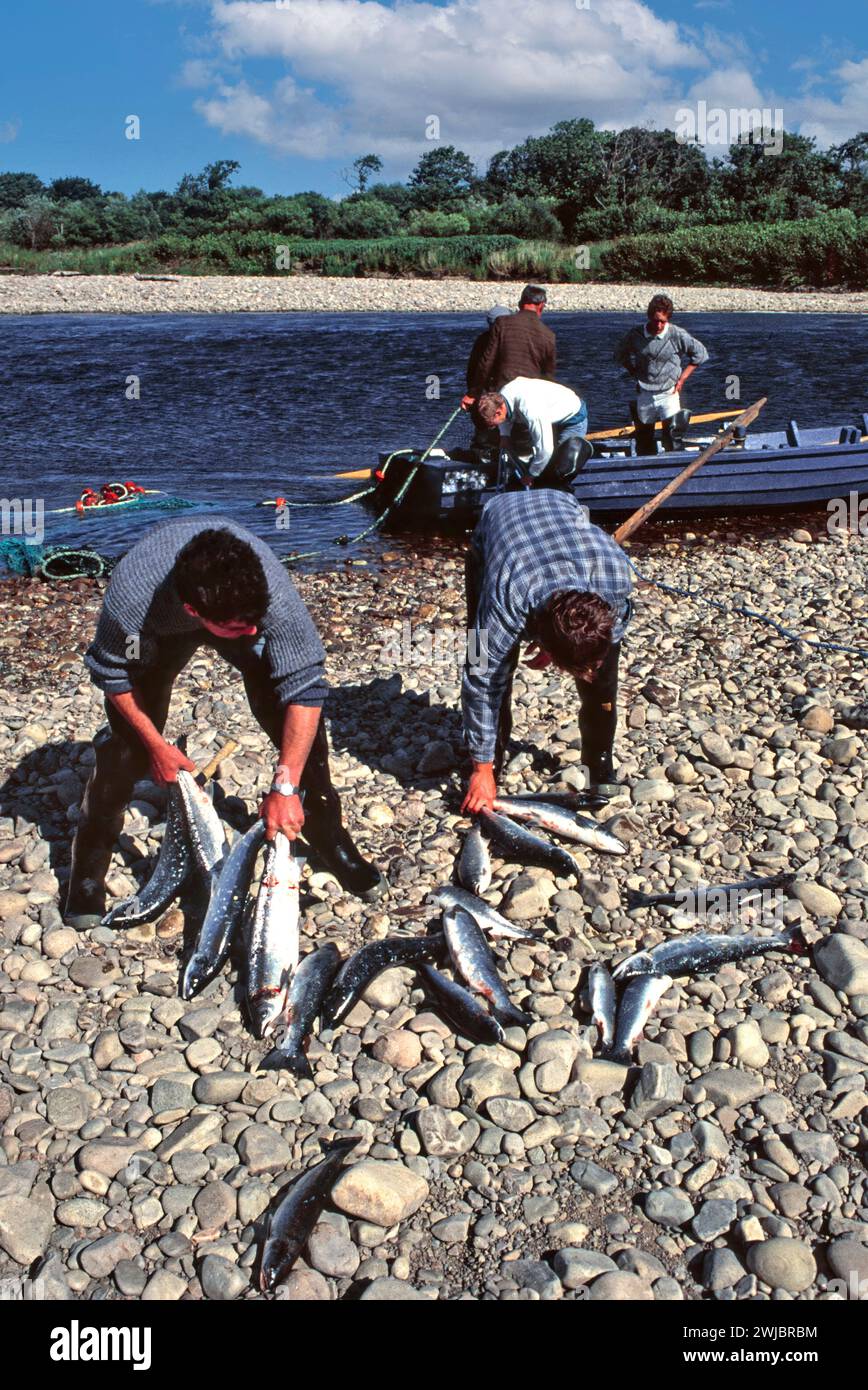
285	789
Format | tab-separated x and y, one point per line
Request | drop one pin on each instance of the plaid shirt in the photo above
528	545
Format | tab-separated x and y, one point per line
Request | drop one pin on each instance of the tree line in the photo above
575	184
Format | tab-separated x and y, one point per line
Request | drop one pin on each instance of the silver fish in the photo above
474	863
691	955
637	1005
694	890
306	994
488	917
472	958
272	952
170	870
288	1229
602	993
207	836
460	1008
521	846
225	910
569	825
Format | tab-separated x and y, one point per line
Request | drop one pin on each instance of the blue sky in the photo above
295	91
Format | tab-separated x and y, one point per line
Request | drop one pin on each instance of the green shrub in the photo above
831	250
366	217
439	224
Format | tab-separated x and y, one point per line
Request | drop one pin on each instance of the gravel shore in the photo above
140	1146
223	294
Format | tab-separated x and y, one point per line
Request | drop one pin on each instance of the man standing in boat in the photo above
518	345
482	438
538	571
659	357
207	582
540	423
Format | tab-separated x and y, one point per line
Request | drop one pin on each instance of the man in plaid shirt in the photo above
538	571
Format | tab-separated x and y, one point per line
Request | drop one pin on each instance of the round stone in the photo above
782	1264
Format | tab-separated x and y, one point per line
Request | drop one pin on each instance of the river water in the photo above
230	409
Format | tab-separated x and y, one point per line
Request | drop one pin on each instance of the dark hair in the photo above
532	294
222	578
487	407
661	303
575	628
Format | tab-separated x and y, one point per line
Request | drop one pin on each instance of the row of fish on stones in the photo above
285	996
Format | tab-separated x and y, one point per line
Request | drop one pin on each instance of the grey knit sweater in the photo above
654	362
141	602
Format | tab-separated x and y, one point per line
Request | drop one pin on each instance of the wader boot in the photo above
646	443
117	769
672	431
325	832
598	719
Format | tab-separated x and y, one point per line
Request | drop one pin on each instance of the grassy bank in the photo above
830	251
266	253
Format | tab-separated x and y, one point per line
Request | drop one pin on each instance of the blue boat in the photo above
765	471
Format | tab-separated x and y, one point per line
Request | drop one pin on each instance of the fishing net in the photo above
51	562
19	557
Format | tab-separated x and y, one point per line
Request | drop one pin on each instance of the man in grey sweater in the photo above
210	582
660	357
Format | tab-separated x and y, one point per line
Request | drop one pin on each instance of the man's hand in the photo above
679	386
536	658
166	762
281	813
481	790
468	402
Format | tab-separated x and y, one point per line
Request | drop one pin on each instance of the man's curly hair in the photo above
575	628
221	577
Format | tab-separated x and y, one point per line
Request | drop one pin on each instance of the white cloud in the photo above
833	119
9	131
363	75
493	71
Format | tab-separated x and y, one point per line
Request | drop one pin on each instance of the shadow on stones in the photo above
373	720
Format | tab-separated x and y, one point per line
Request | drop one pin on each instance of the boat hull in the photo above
739	480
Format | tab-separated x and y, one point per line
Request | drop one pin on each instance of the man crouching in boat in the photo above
654	354
549	419
537	571
184	585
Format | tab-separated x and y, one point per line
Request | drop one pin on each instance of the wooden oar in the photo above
639	517
622	431
617	432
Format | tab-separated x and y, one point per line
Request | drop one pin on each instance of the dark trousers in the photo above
121	758
598	699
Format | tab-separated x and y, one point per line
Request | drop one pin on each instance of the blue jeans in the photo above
575	427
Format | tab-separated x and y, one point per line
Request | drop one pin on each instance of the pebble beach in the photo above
65	293
139	1143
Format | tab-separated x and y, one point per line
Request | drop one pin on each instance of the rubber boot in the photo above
100	822
646	443
325	832
673	430
566	463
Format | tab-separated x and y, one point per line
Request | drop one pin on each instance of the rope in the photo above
398	498
745	612
341	501
96	566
